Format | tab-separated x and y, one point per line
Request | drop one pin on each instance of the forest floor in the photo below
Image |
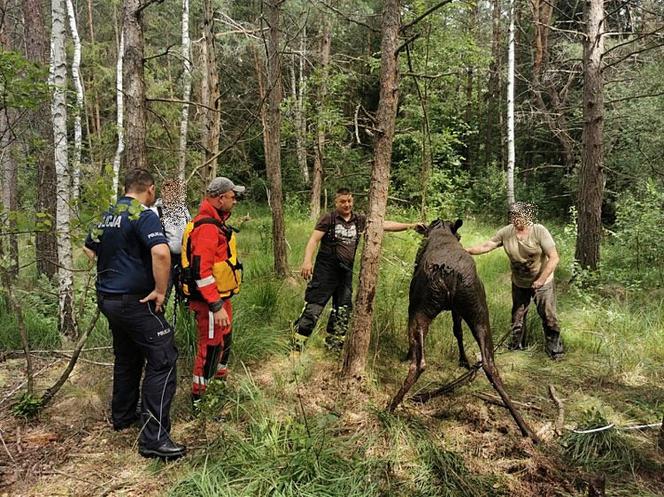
286	424
71	450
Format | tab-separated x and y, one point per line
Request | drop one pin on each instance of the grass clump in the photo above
280	458
443	473
607	450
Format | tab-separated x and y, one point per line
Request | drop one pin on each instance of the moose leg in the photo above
482	334
458	334
418	325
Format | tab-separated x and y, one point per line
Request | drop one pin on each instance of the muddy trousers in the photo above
330	280
545	301
213	347
143	344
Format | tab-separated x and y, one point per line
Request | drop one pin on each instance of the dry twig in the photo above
560	420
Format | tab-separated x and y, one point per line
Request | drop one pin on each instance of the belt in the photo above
120	296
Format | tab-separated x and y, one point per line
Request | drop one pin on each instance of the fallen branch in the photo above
18	312
492	399
560	420
464	379
87	361
6	449
11	394
50	392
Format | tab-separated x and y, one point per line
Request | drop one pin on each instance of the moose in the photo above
445	278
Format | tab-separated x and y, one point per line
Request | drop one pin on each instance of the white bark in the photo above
119	102
58	83
510	107
78	85
300	118
186	90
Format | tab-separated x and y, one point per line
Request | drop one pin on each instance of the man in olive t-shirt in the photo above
533	259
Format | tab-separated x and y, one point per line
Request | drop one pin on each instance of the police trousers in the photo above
143	343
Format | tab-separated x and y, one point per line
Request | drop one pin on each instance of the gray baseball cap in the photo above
221	184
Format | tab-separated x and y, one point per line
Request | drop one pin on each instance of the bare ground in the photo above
70	449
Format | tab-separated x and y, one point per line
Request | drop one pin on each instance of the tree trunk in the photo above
299	89
58	82
37	50
510	106
591	184
135	153
8	172
319	145
493	131
210	93
186	91
95	96
78	85
273	138
9	243
357	343
119	124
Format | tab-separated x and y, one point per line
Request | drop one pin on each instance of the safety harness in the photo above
227	274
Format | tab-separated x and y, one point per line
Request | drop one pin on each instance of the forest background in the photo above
290	99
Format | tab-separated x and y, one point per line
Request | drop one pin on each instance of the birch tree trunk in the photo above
357	343
186	91
95	96
299	90
319	145
119	103
591	185
273	135
210	93
37	50
510	106
135	153
78	85
58	82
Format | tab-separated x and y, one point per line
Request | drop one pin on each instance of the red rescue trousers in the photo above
213	346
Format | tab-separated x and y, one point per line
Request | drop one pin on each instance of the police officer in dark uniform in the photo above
133	263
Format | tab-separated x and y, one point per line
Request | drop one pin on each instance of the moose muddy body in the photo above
446	279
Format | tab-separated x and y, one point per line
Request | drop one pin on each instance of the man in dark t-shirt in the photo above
133	263
338	233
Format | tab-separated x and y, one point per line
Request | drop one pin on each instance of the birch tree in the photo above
186	91
357	343
298	88
58	82
273	137
119	123
510	105
78	85
591	184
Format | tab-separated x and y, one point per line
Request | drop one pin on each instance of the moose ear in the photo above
457	224
422	229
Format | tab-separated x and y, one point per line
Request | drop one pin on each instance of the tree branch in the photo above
425	14
645	95
349	19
